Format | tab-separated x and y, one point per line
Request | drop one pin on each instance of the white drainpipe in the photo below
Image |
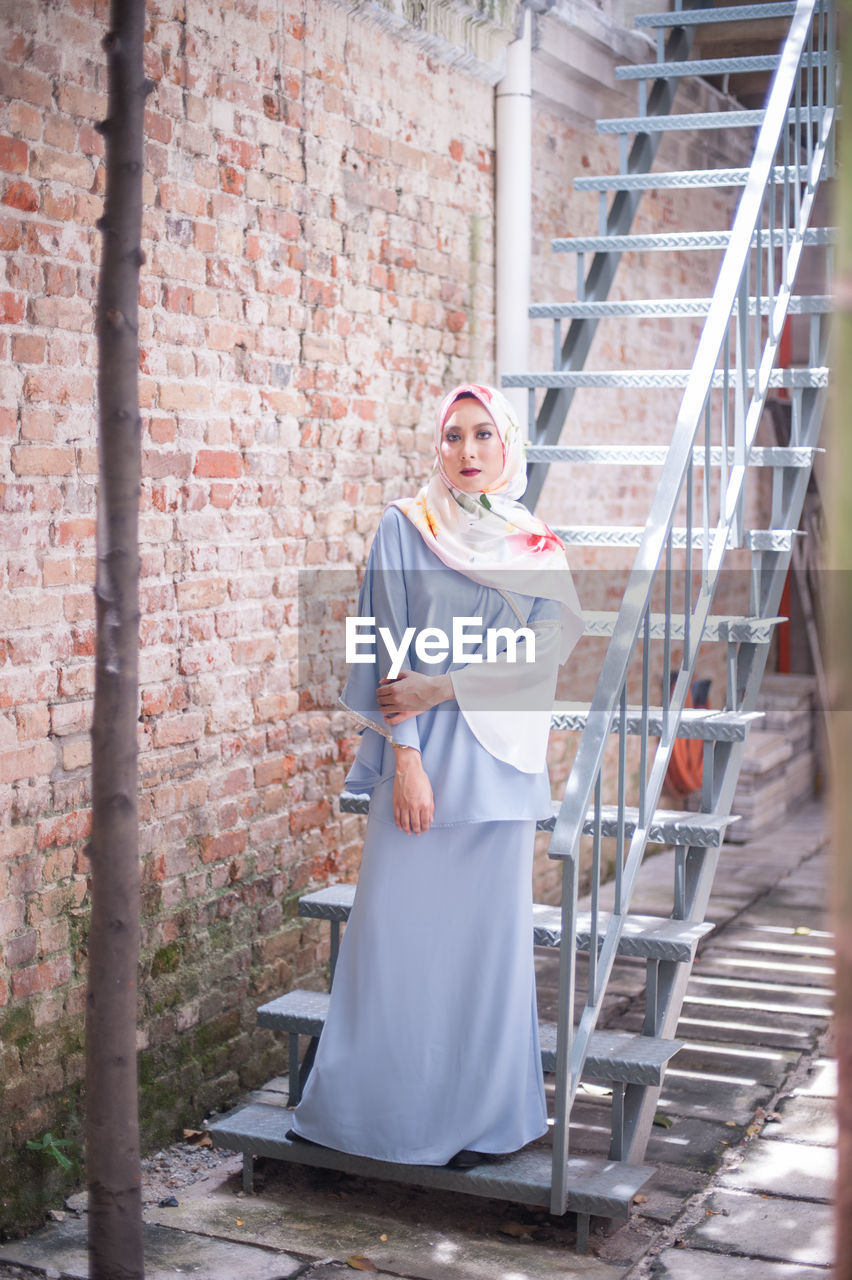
514	212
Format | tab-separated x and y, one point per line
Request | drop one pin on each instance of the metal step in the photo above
648	379
680	178
726	13
711	67
620	1057
697	722
724	627
602	1187
689	121
676	241
302	1012
614	535
663	308
654	455
668	826
644	937
616	1057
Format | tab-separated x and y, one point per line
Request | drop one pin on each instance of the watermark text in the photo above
432	644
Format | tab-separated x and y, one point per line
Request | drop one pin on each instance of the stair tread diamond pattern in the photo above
620	1056
647	937
593	1186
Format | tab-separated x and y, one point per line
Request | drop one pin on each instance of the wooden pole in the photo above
112	1124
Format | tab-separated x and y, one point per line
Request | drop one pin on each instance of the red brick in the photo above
70	717
28	348
201	593
21	195
11	235
14	155
183	395
37	978
21	949
218	848
67	828
76	531
218	464
305	816
273	771
27	762
59	387
254	649
11	308
175	730
77	753
231	180
33	722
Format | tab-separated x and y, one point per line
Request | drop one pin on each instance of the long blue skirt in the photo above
431	1041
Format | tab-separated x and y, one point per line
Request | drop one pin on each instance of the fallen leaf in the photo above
383	1237
197	1137
516	1229
664	1122
640	1199
802	930
359	1263
239	1222
730	1124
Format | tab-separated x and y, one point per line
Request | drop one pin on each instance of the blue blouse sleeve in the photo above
382	598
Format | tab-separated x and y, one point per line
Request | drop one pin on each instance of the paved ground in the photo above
745	1164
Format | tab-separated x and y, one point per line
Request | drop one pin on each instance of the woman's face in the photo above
471	448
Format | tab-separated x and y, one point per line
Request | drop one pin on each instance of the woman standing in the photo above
430	1051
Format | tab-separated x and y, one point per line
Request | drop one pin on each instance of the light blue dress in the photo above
431	1040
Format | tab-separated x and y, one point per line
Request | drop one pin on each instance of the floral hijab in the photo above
490	536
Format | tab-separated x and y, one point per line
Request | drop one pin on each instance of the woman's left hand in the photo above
410	694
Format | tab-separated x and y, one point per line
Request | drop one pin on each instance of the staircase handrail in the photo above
583	789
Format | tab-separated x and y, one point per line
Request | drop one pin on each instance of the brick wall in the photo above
319	232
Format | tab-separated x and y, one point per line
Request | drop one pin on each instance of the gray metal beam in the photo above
581	333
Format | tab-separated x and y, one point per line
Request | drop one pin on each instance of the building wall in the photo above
319	240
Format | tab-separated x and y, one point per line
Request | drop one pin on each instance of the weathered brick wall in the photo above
319	240
318	233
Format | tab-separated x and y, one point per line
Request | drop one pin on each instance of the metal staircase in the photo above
667	605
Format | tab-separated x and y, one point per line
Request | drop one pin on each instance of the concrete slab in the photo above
61	1248
690	1142
793	895
806	971
805	1119
756	1062
405	1231
772	916
785	1169
771	997
667	1191
696	1264
772	940
749	1028
822	1082
779	1229
704	1097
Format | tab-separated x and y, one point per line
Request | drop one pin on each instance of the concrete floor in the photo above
745	1150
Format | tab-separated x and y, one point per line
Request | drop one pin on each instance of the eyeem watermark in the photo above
433	645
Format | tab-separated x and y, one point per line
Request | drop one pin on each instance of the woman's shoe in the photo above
292	1136
466	1159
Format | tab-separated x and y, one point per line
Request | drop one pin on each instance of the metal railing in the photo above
719	414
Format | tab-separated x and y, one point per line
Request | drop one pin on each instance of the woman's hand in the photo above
410	694
413	802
